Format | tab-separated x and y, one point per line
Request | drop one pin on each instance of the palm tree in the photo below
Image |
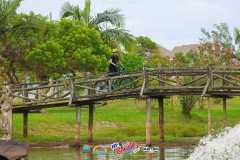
237	35
110	23
7	10
237	42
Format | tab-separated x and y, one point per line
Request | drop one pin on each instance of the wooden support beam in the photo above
162	153
148	123
78	120
209	116
225	112
161	119
90	122
25	124
78	153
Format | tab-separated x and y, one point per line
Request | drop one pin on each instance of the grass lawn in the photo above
125	119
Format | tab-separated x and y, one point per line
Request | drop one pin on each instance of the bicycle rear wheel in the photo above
100	87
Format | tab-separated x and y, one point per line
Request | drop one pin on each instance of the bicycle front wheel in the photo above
101	87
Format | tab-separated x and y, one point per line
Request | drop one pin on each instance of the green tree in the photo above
84	49
146	46
220	35
110	23
237	42
7	11
133	61
23	37
46	59
80	49
156	59
237	35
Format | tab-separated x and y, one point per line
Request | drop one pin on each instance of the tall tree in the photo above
146	46
80	49
237	42
237	35
7	10
27	33
110	23
220	35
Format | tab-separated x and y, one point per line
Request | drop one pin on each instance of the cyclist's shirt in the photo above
112	68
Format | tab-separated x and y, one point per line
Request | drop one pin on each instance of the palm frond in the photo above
111	16
237	35
121	36
11	6
86	12
69	11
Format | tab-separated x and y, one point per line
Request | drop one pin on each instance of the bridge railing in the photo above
27	94
100	87
191	81
174	81
150	82
226	80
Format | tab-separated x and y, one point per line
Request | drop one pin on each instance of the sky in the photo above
169	23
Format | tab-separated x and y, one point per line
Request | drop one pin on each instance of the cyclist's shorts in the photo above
112	70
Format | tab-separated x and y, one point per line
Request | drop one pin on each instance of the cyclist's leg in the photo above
113	72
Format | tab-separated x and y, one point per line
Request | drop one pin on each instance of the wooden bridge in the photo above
157	83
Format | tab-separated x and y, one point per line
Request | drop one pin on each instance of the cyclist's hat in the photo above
115	51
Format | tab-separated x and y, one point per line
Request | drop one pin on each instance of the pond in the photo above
225	145
172	153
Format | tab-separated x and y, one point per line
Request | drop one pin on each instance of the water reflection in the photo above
172	153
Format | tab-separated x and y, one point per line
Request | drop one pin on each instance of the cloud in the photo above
134	22
205	9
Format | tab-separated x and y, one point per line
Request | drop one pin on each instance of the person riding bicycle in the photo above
113	67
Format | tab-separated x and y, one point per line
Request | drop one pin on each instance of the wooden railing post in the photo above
225	77
160	76
144	80
73	95
89	84
210	77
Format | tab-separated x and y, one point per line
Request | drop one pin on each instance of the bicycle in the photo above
103	85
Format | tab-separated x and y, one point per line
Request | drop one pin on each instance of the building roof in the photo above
184	49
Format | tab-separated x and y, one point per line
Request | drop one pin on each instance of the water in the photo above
223	146
173	153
